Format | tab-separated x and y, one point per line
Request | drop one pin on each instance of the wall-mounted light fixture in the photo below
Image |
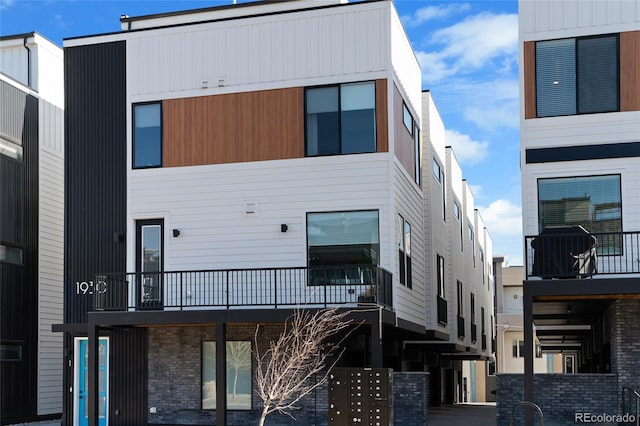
176	233
284	227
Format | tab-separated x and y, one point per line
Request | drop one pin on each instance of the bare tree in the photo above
286	372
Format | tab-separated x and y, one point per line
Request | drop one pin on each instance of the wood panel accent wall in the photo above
382	125
403	140
530	109
630	71
231	128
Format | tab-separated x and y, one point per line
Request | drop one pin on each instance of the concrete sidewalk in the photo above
479	414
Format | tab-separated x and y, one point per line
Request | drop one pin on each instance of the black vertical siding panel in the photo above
19	226
128	377
95	193
95	168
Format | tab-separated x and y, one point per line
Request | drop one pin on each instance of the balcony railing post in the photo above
275	288
181	292
227	286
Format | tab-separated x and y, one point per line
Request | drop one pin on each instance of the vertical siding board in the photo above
95	170
630	71
240	127
19	225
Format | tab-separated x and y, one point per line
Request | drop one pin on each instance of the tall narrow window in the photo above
147	135
460	297
440	275
417	156
407	118
149	262
404	251
456	213
341	119
239	382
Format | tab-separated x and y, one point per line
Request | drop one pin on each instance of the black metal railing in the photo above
461	327
631	405
442	310
474	332
579	255
266	287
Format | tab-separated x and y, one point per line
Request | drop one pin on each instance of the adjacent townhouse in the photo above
580	151
227	165
31	227
509	329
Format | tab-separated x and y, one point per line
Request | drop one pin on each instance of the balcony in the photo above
249	288
572	252
442	311
460	327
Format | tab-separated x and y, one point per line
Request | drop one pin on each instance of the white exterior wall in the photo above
46	66
50	257
293	49
406	67
409	303
435	227
206	203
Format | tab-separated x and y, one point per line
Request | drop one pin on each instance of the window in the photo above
440	275
438	173
10	149
10	351
404	251
517	349
456	214
473	308
343	238
577	76
147	135
11	254
471	235
460	297
407	118
341	119
418	157
239	375
595	202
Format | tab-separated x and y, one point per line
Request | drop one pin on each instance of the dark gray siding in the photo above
19	228
95	168
95	210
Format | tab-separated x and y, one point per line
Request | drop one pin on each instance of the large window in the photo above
594	202
147	135
343	238
341	119
404	251
577	76
238	375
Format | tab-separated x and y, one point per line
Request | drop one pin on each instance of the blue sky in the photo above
468	51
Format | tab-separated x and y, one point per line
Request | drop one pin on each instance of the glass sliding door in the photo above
149	262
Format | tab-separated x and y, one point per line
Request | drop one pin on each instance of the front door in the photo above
149	263
82	401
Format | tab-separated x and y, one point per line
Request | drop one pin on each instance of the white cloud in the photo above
503	220
476	190
5	4
466	149
429	13
470	45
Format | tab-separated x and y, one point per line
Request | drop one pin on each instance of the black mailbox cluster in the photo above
360	396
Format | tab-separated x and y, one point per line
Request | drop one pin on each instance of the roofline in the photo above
17	36
208	21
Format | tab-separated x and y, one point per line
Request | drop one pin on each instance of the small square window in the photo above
11	254
10	149
10	352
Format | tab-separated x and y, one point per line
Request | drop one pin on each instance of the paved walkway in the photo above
463	414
